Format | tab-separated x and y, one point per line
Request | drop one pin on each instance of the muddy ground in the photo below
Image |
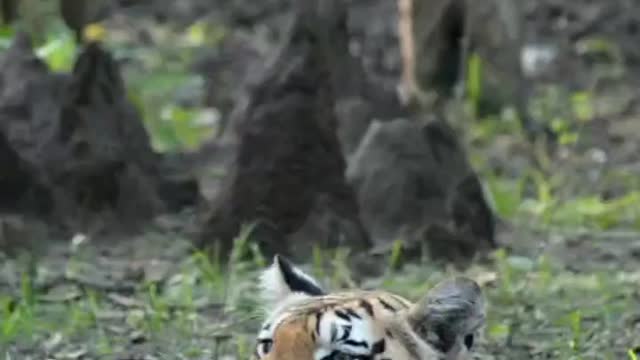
564	286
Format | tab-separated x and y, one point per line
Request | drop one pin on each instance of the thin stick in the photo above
407	50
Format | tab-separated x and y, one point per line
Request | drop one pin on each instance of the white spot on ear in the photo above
274	286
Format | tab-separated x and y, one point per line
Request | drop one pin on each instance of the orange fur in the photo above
292	342
367	324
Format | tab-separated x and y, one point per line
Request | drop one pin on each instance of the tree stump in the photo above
414	183
288	173
77	141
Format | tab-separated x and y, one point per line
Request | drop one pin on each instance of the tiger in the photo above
304	322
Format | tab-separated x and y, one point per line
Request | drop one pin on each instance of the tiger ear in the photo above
449	315
282	279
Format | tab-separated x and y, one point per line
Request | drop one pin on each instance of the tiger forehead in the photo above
371	302
357	321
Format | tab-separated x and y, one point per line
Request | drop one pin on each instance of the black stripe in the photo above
378	347
354	314
342	315
318	318
357	343
347	332
387	306
367	307
400	301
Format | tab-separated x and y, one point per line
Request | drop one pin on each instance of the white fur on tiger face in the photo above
305	323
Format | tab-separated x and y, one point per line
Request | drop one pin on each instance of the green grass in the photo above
538	308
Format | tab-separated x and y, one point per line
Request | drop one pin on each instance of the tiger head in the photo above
303	322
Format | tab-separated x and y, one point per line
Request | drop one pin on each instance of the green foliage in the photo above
243	348
152	88
58	50
582	104
474	82
396	253
201	33
158	312
599	213
318	262
6	37
546	205
596	45
212	272
15	320
574	322
17	316
26	285
165	77
171	126
528	295
506	195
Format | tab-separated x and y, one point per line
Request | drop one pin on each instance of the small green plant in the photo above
104	345
27	291
511	270
211	271
563	129
236	265
474	82
6	37
498	331
243	347
598	45
158	311
506	195
318	262
574	321
14	318
545	273
80	319
58	50
341	276
396	253
582	106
